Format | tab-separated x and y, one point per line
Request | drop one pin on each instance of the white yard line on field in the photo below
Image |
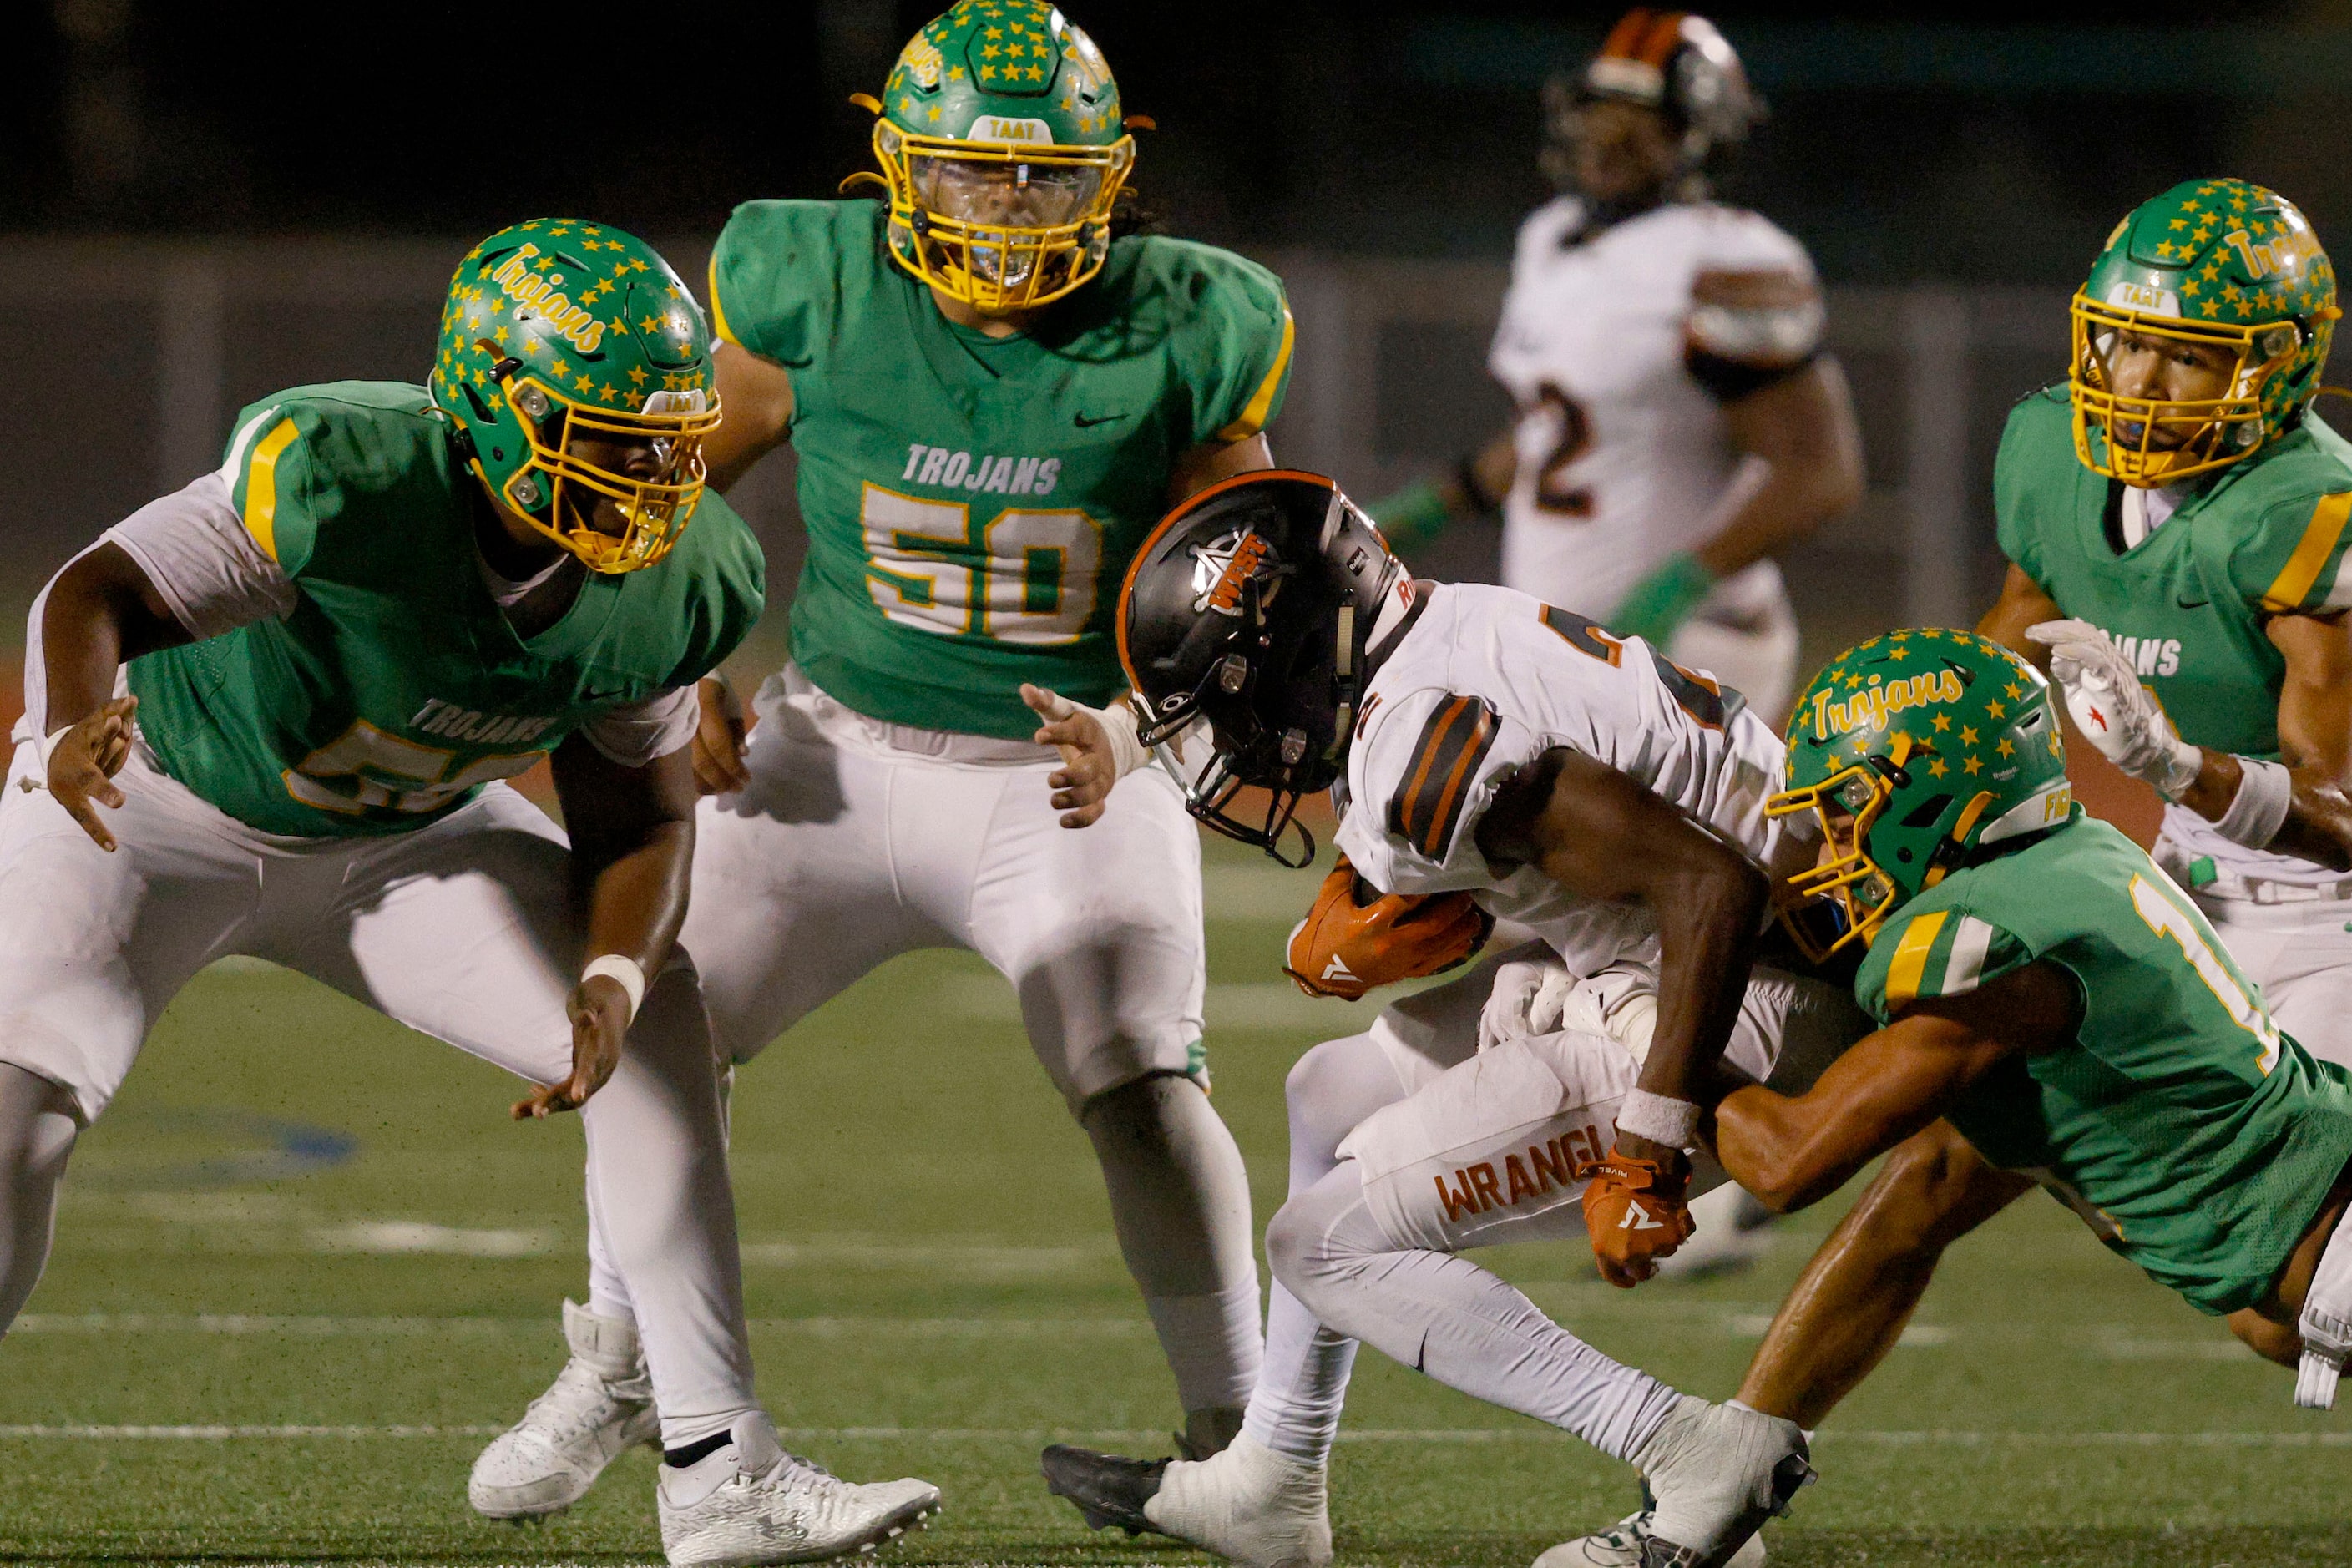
1930	1439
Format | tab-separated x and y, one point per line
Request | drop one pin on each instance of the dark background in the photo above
203	203
1902	145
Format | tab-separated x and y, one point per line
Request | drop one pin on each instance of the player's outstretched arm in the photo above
755	399
2314	725
102	611
1803	428
1477	485
631	831
2022	604
1854	1299
1600	835
1793	1152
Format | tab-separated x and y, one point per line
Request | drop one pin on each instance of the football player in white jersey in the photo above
1576	784
1678	423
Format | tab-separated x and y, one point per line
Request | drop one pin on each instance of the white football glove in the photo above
2114	711
1526	1000
1621	1002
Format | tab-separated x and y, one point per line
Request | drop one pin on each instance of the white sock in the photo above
1180	1199
1212	1343
608	1293
1295	1409
657	1183
1445	1316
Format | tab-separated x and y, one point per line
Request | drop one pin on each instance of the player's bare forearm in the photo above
1802	427
1854	1299
1792	1152
1494	468
2314	729
1600	835
102	611
2022	604
1206	464
755	401
632	832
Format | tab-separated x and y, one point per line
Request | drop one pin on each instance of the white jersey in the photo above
1487	679
1620	350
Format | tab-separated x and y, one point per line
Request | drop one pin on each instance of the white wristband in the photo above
1673	1123
38	777
625	970
2259	809
1127	750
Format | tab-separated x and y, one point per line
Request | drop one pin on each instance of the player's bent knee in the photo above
2266	1338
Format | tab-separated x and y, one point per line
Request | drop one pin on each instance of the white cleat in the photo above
1733	1233
1621	1544
1717	1473
599	1406
1249	1505
751	1502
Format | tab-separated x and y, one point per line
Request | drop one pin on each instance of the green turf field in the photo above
307	1265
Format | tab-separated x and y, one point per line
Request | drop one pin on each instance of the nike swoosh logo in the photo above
1084	423
2191	604
612	696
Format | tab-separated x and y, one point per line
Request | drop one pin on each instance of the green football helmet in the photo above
2217	263
576	368
1912	750
1004	149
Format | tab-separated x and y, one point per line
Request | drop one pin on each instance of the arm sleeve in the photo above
1245	352
765	279
1432	764
637	733
196	550
269	477
1755	314
2296	563
1943	952
2010	479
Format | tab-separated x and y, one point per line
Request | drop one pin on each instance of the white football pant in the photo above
1409	1146
859	840
460	930
2300	953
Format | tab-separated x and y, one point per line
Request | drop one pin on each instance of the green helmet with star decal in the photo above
2222	263
1002	146
1912	750
577	367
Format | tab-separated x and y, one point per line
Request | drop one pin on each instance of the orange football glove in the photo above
1357	937
1633	1210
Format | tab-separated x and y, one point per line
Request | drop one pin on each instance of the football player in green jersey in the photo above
2175	519
271	715
993	394
2053	1010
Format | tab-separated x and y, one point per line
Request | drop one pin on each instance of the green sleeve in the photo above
2021	466
730	590
2293	560
1938	952
772	278
1238	342
270	471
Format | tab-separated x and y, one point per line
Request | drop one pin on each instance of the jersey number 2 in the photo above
1034	583
2168	918
1575	439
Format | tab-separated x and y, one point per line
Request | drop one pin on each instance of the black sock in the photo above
694	1453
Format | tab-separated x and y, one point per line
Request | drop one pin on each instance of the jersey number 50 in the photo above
1033	581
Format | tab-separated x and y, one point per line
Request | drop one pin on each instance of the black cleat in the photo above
1107	1489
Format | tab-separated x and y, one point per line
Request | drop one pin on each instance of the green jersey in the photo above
2193	1136
972	503
2263	537
396	689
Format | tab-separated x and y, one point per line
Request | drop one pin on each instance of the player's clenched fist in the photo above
1356	937
1634	1212
83	760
